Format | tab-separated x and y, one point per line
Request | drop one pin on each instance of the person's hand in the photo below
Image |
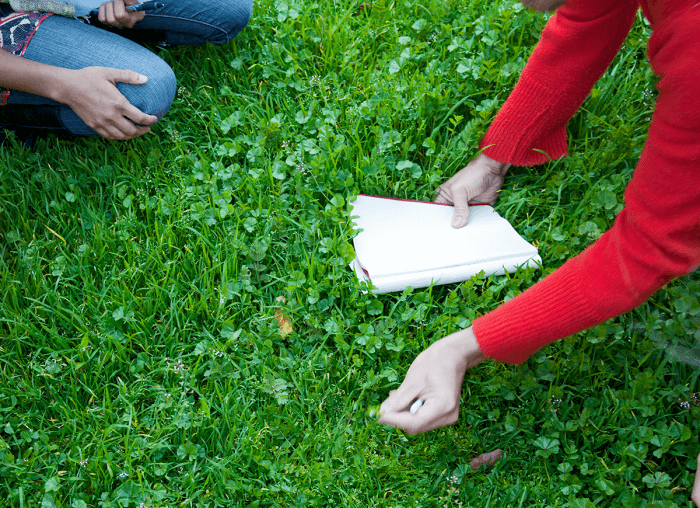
695	496
92	93
478	183
435	376
114	14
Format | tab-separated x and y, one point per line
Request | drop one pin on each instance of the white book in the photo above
411	243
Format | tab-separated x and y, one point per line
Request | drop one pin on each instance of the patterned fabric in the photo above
62	8
16	30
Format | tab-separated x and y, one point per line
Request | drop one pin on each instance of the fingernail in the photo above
142	78
458	221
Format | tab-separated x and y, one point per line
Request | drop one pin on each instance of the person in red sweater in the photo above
655	238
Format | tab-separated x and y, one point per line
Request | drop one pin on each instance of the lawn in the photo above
143	285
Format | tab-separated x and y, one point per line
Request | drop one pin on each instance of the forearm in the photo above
19	73
501	167
576	47
616	274
91	93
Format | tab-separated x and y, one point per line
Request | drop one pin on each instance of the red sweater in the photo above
656	237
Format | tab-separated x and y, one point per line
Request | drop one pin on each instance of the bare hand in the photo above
114	14
436	377
94	97
478	183
695	496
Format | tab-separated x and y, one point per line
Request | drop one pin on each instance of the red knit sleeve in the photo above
577	45
654	239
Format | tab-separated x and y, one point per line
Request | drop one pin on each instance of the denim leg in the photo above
70	44
196	22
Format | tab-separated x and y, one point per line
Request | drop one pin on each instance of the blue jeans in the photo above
71	44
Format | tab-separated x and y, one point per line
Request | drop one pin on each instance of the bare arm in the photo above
19	73
91	92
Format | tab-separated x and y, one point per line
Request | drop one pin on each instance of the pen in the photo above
145	6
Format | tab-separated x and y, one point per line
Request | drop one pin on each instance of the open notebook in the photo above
411	243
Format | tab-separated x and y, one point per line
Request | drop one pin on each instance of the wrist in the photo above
500	167
63	90
467	348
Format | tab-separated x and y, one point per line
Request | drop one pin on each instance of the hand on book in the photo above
435	376
477	183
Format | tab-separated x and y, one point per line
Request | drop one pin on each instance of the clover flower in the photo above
179	367
216	353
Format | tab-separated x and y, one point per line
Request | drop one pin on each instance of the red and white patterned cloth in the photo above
16	30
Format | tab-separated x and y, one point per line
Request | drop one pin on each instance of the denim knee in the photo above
155	96
234	16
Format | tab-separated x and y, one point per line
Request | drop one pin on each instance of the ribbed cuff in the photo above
552	309
530	128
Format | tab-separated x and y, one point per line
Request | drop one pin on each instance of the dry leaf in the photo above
364	6
282	320
486	459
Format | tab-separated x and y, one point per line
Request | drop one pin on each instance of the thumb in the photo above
131	77
460	217
398	400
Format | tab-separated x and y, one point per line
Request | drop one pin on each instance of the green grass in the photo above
141	362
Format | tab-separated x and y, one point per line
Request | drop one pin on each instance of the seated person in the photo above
62	74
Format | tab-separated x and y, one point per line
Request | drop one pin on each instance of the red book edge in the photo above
418	201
